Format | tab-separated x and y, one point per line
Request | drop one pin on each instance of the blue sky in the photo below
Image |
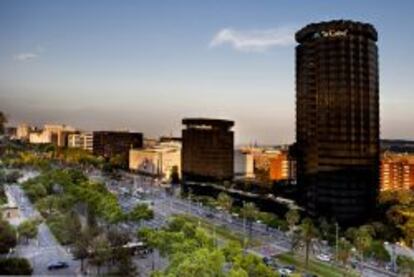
144	65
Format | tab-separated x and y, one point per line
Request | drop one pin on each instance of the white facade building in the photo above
243	164
156	161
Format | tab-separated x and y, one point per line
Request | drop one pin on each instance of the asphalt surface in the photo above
45	248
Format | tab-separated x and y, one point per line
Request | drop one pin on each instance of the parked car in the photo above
57	265
284	271
323	257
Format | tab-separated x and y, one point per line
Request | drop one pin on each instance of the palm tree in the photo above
249	212
345	250
307	232
292	218
225	201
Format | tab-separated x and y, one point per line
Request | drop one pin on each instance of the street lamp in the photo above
336	241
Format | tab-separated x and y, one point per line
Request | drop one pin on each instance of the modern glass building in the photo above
337	119
207	150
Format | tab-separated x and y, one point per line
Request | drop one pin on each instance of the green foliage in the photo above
250	212
140	212
65	227
397	214
378	251
344	251
307	232
7	236
225	201
292	218
28	229
100	251
405	265
192	252
15	266
362	238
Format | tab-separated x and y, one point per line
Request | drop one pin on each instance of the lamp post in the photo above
336	241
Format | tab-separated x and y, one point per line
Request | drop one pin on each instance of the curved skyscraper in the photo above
337	119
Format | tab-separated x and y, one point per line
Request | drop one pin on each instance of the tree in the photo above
378	251
308	232
28	229
405	265
292	218
253	266
81	246
141	212
362	239
344	251
225	201
151	239
3	121
7	236
202	262
249	211
15	266
100	252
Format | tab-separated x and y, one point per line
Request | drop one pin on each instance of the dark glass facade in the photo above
207	150
337	119
110	143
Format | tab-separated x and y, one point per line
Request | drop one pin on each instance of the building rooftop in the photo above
333	28
222	123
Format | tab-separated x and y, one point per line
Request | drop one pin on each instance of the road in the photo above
165	205
45	248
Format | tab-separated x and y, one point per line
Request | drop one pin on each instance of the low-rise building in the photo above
397	171
40	137
52	133
82	140
23	132
243	164
158	161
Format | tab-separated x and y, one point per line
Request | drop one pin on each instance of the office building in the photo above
208	150
397	171
83	140
109	144
337	119
282	167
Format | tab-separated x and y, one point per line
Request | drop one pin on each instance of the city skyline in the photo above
146	65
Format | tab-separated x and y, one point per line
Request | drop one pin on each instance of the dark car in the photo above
290	267
57	265
210	215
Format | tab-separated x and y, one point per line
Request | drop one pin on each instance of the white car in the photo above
323	257
284	271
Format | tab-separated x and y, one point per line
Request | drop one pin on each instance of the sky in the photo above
145	65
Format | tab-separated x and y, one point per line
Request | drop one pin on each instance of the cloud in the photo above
254	40
21	57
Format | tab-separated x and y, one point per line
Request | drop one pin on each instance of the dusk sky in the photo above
144	65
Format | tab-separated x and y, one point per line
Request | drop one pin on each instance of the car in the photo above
323	257
284	271
290	267
57	265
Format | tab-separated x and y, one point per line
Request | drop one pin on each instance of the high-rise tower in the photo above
337	119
